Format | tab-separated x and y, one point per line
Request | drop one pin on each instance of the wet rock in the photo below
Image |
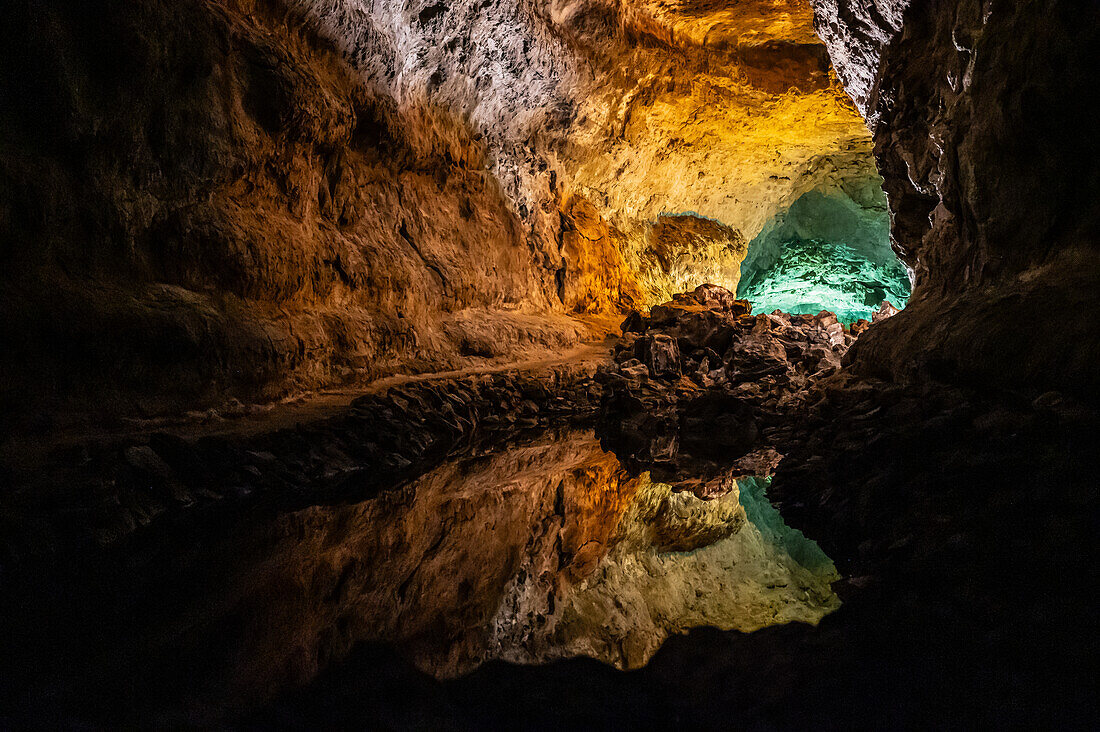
717	424
374	443
709	330
670	312
741	373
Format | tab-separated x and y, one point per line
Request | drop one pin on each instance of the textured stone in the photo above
985	156
274	198
662	356
736	374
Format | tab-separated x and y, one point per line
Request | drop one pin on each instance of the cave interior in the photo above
580	364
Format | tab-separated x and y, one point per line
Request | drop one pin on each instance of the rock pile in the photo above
701	379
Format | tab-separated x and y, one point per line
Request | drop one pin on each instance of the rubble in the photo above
696	384
378	441
886	310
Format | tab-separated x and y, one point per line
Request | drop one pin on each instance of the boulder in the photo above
634	323
714	296
662	355
886	310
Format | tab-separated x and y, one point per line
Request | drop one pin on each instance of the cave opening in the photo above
830	250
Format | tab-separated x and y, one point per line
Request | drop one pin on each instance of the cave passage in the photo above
319	319
829	251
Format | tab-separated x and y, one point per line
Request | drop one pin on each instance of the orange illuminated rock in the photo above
596	278
272	201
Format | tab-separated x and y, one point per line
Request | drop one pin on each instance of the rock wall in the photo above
830	250
981	114
684	251
204	200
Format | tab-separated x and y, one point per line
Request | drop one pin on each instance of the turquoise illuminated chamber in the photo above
815	275
829	251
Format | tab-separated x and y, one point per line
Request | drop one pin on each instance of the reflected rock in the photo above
530	552
676	563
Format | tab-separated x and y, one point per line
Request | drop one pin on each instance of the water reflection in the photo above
674	563
530	553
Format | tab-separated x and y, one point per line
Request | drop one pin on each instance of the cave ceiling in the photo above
725	110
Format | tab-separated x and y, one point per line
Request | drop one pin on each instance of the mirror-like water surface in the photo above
530	553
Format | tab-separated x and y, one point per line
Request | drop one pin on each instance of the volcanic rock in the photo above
739	370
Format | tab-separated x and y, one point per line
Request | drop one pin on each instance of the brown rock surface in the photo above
986	153
695	389
204	200
209	199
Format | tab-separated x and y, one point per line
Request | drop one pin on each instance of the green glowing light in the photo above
814	275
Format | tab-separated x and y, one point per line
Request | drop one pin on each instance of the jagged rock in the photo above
799	275
717	424
740	369
833	329
886	310
662	355
683	525
375	442
715	296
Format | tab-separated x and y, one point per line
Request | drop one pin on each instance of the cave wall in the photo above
205	199
982	116
240	199
829	250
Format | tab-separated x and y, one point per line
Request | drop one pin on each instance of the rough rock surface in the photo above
113	491
986	157
684	251
700	382
203	200
830	250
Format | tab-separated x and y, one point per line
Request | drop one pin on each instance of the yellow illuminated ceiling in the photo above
728	110
723	118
